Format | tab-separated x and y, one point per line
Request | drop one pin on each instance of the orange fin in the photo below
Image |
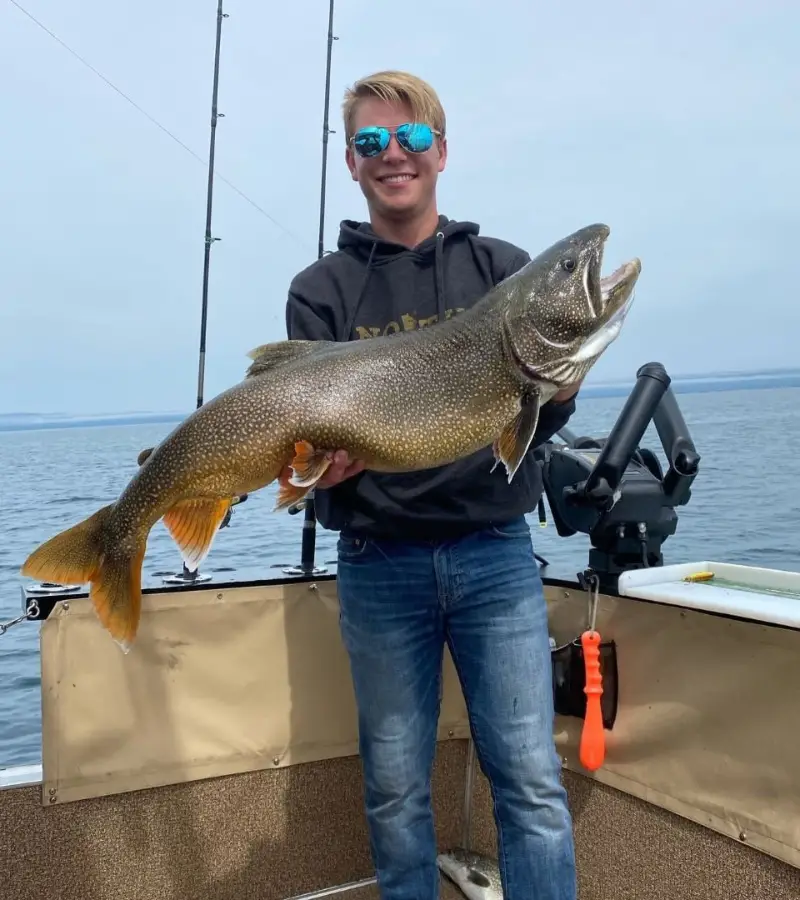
117	596
513	442
86	552
289	494
73	556
193	524
309	465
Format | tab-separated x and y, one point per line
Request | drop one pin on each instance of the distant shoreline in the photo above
692	384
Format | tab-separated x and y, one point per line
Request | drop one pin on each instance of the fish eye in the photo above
478	878
568	264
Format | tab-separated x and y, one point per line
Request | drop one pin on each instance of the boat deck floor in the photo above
370	892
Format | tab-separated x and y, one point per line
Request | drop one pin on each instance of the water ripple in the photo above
744	509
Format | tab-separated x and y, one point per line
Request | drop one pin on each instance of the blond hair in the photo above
395	87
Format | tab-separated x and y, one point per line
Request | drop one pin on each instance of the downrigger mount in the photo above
615	491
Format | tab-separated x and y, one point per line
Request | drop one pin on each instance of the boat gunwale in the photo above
27	775
47	602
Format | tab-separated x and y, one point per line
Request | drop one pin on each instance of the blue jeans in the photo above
400	601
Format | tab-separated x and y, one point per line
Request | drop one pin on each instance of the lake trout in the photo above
403	402
476	876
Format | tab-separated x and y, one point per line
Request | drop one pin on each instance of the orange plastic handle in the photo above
593	739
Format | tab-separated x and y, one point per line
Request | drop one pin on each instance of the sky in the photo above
677	124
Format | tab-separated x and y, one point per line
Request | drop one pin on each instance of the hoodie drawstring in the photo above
351	320
438	272
438	277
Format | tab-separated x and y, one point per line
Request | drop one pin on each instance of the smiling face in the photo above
397	184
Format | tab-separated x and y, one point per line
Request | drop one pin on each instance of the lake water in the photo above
745	508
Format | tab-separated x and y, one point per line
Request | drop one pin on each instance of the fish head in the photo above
560	314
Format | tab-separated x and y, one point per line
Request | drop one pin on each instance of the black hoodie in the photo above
371	287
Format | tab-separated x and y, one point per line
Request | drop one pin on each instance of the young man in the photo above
439	555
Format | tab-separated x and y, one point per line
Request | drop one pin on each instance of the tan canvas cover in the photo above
218	682
221	682
709	721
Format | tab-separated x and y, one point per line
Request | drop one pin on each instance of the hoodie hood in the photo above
359	239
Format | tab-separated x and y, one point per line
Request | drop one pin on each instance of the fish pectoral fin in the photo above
309	465
289	494
511	445
268	356
193	524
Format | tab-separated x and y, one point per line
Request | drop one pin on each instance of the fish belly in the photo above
402	434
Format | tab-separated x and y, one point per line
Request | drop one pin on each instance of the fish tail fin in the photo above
82	554
72	556
194	523
116	593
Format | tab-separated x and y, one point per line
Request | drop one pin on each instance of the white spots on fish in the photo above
420	399
477	876
414	407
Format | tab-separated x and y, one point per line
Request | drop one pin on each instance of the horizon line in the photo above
707	383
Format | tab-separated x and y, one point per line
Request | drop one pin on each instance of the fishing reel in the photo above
615	491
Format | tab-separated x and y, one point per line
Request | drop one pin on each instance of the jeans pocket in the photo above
515	528
350	547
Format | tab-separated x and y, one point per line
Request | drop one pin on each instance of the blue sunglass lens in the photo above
415	137
371	141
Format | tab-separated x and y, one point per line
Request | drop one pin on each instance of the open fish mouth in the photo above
605	294
617	291
616	286
593	283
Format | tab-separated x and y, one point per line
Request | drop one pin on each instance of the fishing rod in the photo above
186	576
209	240
308	545
325	132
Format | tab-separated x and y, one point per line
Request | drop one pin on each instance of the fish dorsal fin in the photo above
144	455
269	356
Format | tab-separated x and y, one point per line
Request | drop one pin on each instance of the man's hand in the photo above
339	470
567	393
